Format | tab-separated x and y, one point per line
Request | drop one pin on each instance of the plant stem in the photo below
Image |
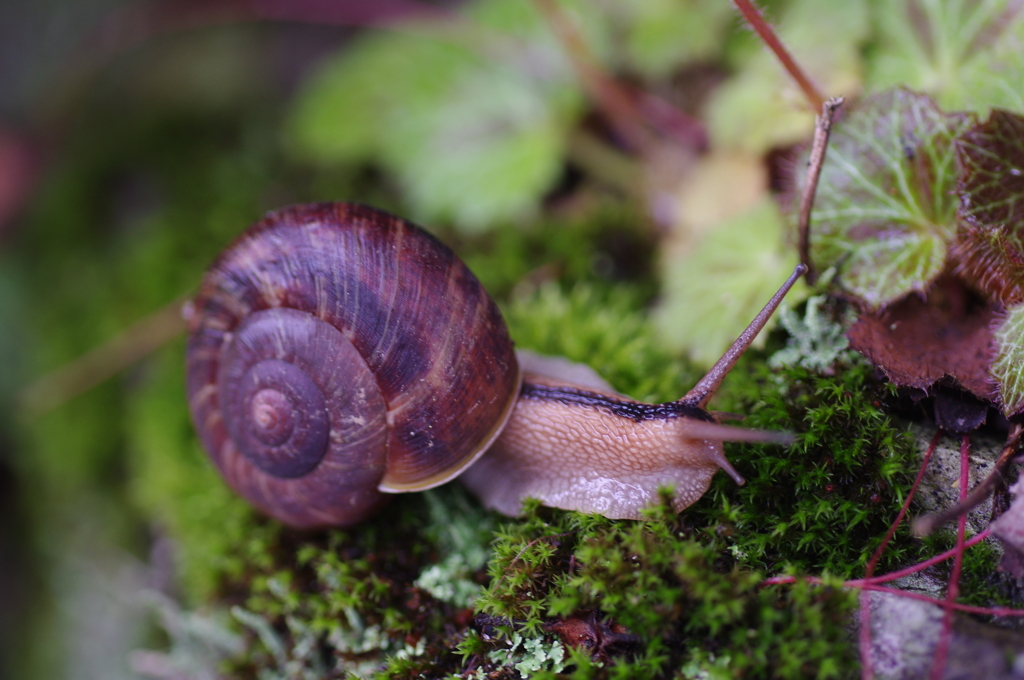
953	589
920	566
864	634
970	609
95	366
822	130
764	30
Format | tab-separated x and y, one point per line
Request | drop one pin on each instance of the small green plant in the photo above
821	504
652	598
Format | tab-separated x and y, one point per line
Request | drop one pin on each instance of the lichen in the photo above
815	341
529	655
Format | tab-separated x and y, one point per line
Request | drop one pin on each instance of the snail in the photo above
338	353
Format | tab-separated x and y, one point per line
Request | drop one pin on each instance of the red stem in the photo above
971	609
873	562
864	634
757	22
953	589
949	604
893	575
920	566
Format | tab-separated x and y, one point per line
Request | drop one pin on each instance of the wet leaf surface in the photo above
989	250
886	212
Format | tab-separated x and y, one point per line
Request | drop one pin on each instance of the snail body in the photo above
338	353
592	451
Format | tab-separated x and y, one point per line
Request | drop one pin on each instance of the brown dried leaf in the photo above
918	342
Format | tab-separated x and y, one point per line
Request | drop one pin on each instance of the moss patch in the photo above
645	599
823	504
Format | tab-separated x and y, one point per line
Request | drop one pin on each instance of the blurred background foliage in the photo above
138	138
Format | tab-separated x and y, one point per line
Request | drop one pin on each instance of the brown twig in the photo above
113	356
822	130
929	523
764	30
618	106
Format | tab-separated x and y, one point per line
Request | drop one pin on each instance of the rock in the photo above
905	636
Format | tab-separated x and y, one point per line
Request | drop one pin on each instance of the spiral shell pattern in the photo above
337	351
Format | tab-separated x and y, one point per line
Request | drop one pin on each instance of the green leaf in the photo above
347	108
488	151
989	250
880	271
471	117
662	34
885	212
1008	366
967	54
711	295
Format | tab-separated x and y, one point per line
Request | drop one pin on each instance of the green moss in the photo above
218	534
610	244
823	504
392	590
605	329
670	593
668	601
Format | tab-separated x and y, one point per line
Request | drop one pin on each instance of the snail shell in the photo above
326	349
